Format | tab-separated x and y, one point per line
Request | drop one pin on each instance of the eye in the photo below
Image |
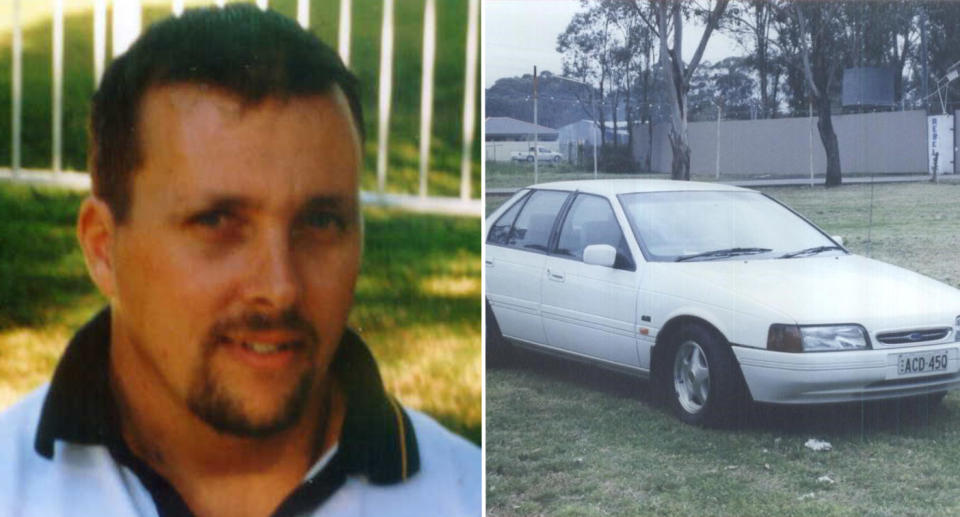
210	218
322	220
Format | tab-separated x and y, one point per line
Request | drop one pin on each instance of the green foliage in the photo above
559	102
616	159
41	266
403	165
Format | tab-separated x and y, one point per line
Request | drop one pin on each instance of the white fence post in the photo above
220	3
262	4
469	92
303	13
343	28
426	90
177	7
99	40
385	93
57	85
126	25
16	87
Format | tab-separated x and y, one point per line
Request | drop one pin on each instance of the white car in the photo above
715	293
544	155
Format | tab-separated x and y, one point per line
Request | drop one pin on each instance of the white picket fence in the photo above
127	26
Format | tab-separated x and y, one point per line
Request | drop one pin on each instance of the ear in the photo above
95	231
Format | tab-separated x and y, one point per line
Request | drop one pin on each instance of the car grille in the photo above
913	336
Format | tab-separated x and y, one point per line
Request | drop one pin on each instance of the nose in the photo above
274	283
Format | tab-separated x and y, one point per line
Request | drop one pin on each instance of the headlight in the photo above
826	338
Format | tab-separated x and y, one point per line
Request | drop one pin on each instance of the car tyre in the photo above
497	349
557	159
704	382
530	159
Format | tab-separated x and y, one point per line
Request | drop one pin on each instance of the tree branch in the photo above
712	21
805	51
646	19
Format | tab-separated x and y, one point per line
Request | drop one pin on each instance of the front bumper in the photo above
825	377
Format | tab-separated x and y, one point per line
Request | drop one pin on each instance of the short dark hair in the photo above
251	53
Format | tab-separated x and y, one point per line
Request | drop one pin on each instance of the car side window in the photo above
500	231
591	220
531	231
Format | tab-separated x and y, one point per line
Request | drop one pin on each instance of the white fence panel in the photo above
126	27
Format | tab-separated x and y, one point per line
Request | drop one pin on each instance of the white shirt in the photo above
86	480
62	453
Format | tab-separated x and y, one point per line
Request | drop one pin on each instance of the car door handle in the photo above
488	262
555	275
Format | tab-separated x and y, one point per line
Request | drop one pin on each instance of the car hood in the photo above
833	289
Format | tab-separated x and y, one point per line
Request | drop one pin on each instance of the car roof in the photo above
612	187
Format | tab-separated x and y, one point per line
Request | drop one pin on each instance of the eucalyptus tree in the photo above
666	18
587	46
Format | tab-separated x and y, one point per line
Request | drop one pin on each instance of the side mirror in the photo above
599	255
838	239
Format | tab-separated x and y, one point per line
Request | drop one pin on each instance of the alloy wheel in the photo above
691	377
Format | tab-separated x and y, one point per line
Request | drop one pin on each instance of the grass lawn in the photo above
516	175
417	302
567	439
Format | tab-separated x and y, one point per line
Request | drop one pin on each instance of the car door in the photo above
588	309
515	253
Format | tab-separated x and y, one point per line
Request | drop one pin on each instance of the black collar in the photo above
377	439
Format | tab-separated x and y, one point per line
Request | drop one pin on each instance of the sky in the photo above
519	34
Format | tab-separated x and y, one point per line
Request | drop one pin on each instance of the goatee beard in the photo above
211	400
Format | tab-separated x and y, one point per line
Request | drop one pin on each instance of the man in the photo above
226	232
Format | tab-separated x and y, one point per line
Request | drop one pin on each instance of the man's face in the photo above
234	273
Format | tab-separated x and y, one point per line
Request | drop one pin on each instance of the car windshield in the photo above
711	225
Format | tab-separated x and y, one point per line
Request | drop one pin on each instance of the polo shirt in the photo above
62	453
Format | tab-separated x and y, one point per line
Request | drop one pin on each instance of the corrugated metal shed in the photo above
495	127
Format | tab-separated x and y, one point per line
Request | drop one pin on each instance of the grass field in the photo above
403	165
417	303
565	439
515	175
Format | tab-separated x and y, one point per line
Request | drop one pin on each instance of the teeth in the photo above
263	348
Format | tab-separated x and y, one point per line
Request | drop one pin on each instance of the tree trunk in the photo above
629	121
613	116
679	143
601	120
829	139
760	37
649	160
774	101
680	166
647	112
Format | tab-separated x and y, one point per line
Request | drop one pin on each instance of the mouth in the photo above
265	350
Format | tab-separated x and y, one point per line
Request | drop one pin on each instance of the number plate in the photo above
922	363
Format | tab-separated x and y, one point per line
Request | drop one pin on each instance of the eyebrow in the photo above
342	204
346	207
229	203
338	203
